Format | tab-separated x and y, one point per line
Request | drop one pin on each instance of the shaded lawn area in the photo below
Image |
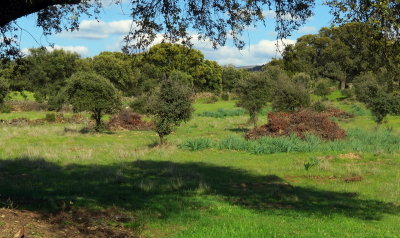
164	190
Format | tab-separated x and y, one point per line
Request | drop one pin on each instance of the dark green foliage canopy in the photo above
341	53
171	104
289	96
322	88
230	77
118	68
164	58
254	92
3	89
42	72
88	91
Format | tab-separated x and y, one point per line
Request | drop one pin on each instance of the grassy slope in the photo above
209	193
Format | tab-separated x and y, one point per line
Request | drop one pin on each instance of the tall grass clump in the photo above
356	141
358	110
196	144
221	113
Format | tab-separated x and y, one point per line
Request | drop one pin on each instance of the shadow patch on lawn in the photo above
168	188
239	130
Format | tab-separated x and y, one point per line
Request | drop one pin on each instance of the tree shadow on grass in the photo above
239	130
168	188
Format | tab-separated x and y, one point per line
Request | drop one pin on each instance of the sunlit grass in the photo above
213	192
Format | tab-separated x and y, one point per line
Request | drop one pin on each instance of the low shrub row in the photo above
357	141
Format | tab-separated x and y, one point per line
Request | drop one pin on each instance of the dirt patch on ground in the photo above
347	156
128	120
350	156
299	123
353	179
78	223
312	177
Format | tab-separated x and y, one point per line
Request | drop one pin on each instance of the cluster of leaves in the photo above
342	53
88	91
131	74
171	104
253	93
377	96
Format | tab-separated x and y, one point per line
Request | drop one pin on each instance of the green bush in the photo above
322	88
289	96
88	91
140	104
5	108
4	86
171	105
303	79
225	96
213	99
196	144
319	106
349	93
50	117
254	93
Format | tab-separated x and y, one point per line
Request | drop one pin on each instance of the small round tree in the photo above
289	96
253	92
88	91
171	104
375	96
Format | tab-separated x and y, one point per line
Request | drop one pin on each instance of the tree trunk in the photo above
253	119
97	117
342	84
11	10
162	140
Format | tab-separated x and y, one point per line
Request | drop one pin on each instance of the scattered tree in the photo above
171	104
253	93
376	96
88	91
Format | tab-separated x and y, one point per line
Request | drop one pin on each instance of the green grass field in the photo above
174	192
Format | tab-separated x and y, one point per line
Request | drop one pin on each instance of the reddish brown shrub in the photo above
300	123
128	120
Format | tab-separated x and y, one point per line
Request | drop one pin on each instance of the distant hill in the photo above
252	68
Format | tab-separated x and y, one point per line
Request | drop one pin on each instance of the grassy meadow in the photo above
199	185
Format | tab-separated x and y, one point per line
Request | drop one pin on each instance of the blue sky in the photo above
106	35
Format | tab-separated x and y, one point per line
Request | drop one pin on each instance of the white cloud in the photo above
94	30
252	54
82	50
255	54
307	30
